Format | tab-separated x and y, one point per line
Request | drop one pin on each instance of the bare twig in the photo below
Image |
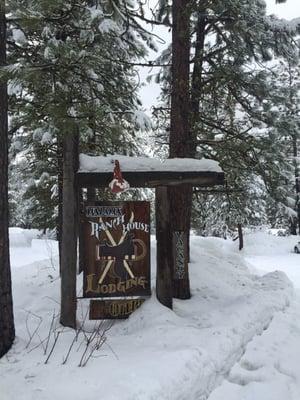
99	338
90	338
49	333
112	350
31	335
38	345
80	329
56	335
51	298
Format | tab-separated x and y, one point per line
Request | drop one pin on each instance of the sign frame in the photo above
116	249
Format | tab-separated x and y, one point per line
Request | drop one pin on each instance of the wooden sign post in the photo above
112	243
116	238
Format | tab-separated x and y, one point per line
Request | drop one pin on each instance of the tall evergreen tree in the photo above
179	140
284	112
72	62
7	330
231	43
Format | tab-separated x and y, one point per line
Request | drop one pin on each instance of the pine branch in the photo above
151	21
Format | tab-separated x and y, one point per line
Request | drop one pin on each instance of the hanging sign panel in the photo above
116	256
114	309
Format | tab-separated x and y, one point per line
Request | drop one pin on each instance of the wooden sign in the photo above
114	309
116	256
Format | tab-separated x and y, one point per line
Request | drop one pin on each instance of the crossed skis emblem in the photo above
114	244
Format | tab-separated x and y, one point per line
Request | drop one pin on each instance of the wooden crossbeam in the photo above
153	179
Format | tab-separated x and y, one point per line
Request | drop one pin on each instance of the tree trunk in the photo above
60	194
81	231
91	191
69	230
297	184
195	97
179	124
298	201
7	329
293	225
196	84
163	249
241	239
180	143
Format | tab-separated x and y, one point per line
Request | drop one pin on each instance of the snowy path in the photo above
157	354
270	366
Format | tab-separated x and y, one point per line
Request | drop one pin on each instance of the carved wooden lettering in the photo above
114	309
116	238
179	246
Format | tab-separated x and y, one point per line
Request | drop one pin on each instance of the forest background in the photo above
77	66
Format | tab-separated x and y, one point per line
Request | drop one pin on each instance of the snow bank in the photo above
263	243
268	253
19	237
25	248
143	164
157	354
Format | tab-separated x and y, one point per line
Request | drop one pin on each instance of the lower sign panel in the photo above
113	309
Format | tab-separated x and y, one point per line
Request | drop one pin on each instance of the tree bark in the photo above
241	239
179	124
60	194
195	98
180	140
297	185
69	230
163	249
298	203
81	231
7	329
196	84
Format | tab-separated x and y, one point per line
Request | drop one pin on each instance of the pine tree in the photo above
72	62
229	87
7	330
179	143
284	112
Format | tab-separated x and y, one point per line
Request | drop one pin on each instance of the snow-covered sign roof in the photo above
143	164
97	171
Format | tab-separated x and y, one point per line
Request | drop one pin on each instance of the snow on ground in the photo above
157	354
26	248
270	253
269	369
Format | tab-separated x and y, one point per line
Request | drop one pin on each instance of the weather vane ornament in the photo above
118	184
